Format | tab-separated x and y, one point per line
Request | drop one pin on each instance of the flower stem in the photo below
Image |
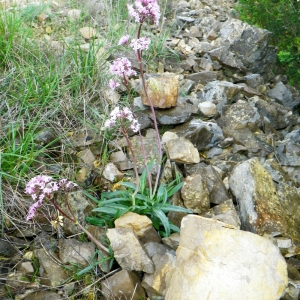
134	163
139	58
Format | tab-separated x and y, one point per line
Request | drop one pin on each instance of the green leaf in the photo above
129	185
175	189
169	207
164	220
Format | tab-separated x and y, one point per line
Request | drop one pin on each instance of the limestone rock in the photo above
207	109
88	32
217	191
221	93
112	173
283	95
74	14
218	262
224	212
76	252
259	206
204	77
182	150
162	90
202	134
123	285
195	194
288	153
139	224
51	271
128	251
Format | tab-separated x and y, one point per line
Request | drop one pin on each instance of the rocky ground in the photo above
234	136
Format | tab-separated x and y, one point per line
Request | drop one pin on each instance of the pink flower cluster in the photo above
145	9
122	67
41	187
125	113
140	44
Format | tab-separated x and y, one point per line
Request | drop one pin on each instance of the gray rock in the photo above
80	207
216	261
203	77
43	295
203	135
254	80
283	95
240	115
250	44
128	251
288	153
7	249
275	114
221	93
72	251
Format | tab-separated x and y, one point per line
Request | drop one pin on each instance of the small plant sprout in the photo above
42	188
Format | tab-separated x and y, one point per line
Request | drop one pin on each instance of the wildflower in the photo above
113	84
125	113
140	44
122	67
145	9
41	187
124	40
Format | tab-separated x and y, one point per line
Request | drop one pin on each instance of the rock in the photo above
288	153
275	114
112	173
52	273
88	32
25	268
167	136
72	251
177	115
120	160
172	240
162	90
155	284
240	115
216	262
43	295
123	285
203	77
151	150
195	194
283	95
241	37
80	206
217	191
139	224
158	249
74	14
7	249
128	251
221	93
207	109
46	136
254	80
259	205
203	135
182	150
224	212
87	157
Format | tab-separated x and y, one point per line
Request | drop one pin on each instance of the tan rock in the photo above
182	150
74	14
195	194
123	285
87	157
88	32
218	262
128	251
112	173
139	224
162	90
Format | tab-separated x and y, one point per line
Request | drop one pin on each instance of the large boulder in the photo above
219	262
